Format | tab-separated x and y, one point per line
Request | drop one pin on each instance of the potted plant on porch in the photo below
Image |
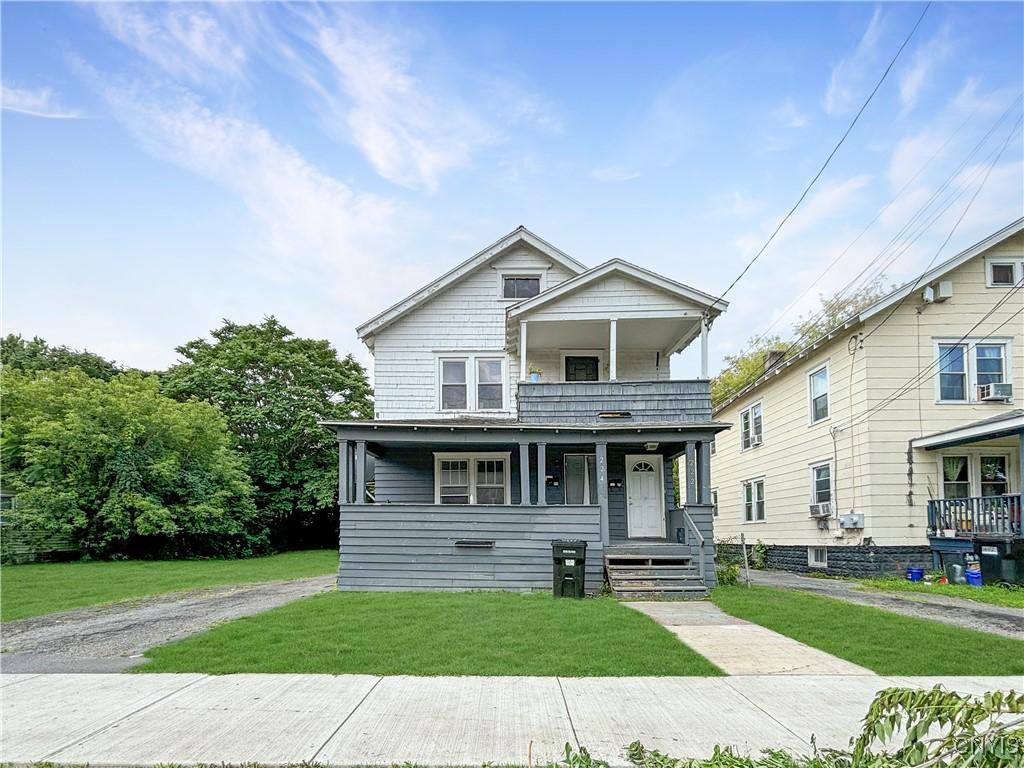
535	373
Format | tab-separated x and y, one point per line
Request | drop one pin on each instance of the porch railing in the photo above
700	542
975	516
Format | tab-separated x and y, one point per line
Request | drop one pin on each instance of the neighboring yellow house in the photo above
897	439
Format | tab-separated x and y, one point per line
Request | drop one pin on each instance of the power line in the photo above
828	159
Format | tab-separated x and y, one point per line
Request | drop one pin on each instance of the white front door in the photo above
645	497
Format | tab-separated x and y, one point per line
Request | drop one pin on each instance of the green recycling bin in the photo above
568	561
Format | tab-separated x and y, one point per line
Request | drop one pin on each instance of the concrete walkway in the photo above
738	647
365	720
112	638
995	619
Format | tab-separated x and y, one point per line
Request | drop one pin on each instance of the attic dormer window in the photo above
520	286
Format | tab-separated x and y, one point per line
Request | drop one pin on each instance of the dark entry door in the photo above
580	368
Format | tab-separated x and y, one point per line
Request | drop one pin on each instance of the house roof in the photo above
1000	425
884	303
618	266
518	235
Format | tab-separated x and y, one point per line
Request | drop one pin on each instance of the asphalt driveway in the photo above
112	638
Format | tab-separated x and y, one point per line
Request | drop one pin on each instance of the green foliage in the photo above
742	369
759	555
1008	595
904	728
728	574
273	387
17	354
122	469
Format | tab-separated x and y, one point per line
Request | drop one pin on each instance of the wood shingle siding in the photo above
410	546
581	402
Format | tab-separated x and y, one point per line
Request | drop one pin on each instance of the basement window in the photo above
817	557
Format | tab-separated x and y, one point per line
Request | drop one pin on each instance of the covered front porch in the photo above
453	505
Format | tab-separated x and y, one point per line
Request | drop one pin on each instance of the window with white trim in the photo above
471	478
1002	272
580	478
714	502
956	478
753	501
751	426
817	389
520	286
817	557
471	382
966	365
821	483
993	474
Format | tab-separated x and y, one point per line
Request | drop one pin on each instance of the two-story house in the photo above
897	439
522	398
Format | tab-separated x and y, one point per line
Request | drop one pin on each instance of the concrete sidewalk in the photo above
365	720
738	647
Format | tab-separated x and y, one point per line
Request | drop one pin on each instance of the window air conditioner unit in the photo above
821	510
995	393
755	440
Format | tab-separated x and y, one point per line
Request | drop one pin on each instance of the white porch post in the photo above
542	474
703	347
613	349
360	472
601	449
524	473
523	373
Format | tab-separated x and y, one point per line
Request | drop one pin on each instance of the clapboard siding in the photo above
412	546
580	402
469	316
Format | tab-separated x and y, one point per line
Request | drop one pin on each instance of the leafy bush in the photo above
759	555
728	574
122	469
934	728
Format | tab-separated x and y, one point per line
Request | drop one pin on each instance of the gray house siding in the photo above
408	547
645	401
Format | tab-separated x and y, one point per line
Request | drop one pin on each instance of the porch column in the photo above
601	451
524	473
344	471
613	349
542	473
360	472
703	347
691	473
704	472
523	372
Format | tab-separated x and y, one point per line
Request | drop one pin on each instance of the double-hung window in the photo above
751	426
975	474
471	383
817	385
821	483
520	286
753	500
580	478
965	365
471	478
956	478
994	476
714	502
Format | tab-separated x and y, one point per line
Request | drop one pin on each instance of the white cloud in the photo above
37	102
925	58
183	40
613	173
970	98
789	115
850	74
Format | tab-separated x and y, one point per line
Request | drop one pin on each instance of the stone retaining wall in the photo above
842	561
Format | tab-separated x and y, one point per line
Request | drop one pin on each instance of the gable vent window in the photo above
1003	272
520	286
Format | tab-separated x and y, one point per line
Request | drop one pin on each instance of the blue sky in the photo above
165	166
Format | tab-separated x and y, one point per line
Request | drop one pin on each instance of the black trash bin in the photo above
568	562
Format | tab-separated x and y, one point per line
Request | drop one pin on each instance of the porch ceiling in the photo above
664	333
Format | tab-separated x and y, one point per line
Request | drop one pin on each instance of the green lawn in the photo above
888	643
429	633
993	595
39	588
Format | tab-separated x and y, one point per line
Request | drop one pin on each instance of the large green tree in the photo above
743	368
19	354
274	387
122	469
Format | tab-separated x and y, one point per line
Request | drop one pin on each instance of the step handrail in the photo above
700	539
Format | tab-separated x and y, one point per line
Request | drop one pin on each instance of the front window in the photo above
818	383
963	367
821	483
466	478
580	478
956	483
994	478
453	385
489	385
520	286
751	426
753	501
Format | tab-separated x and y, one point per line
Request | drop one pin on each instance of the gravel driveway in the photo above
112	638
960	612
